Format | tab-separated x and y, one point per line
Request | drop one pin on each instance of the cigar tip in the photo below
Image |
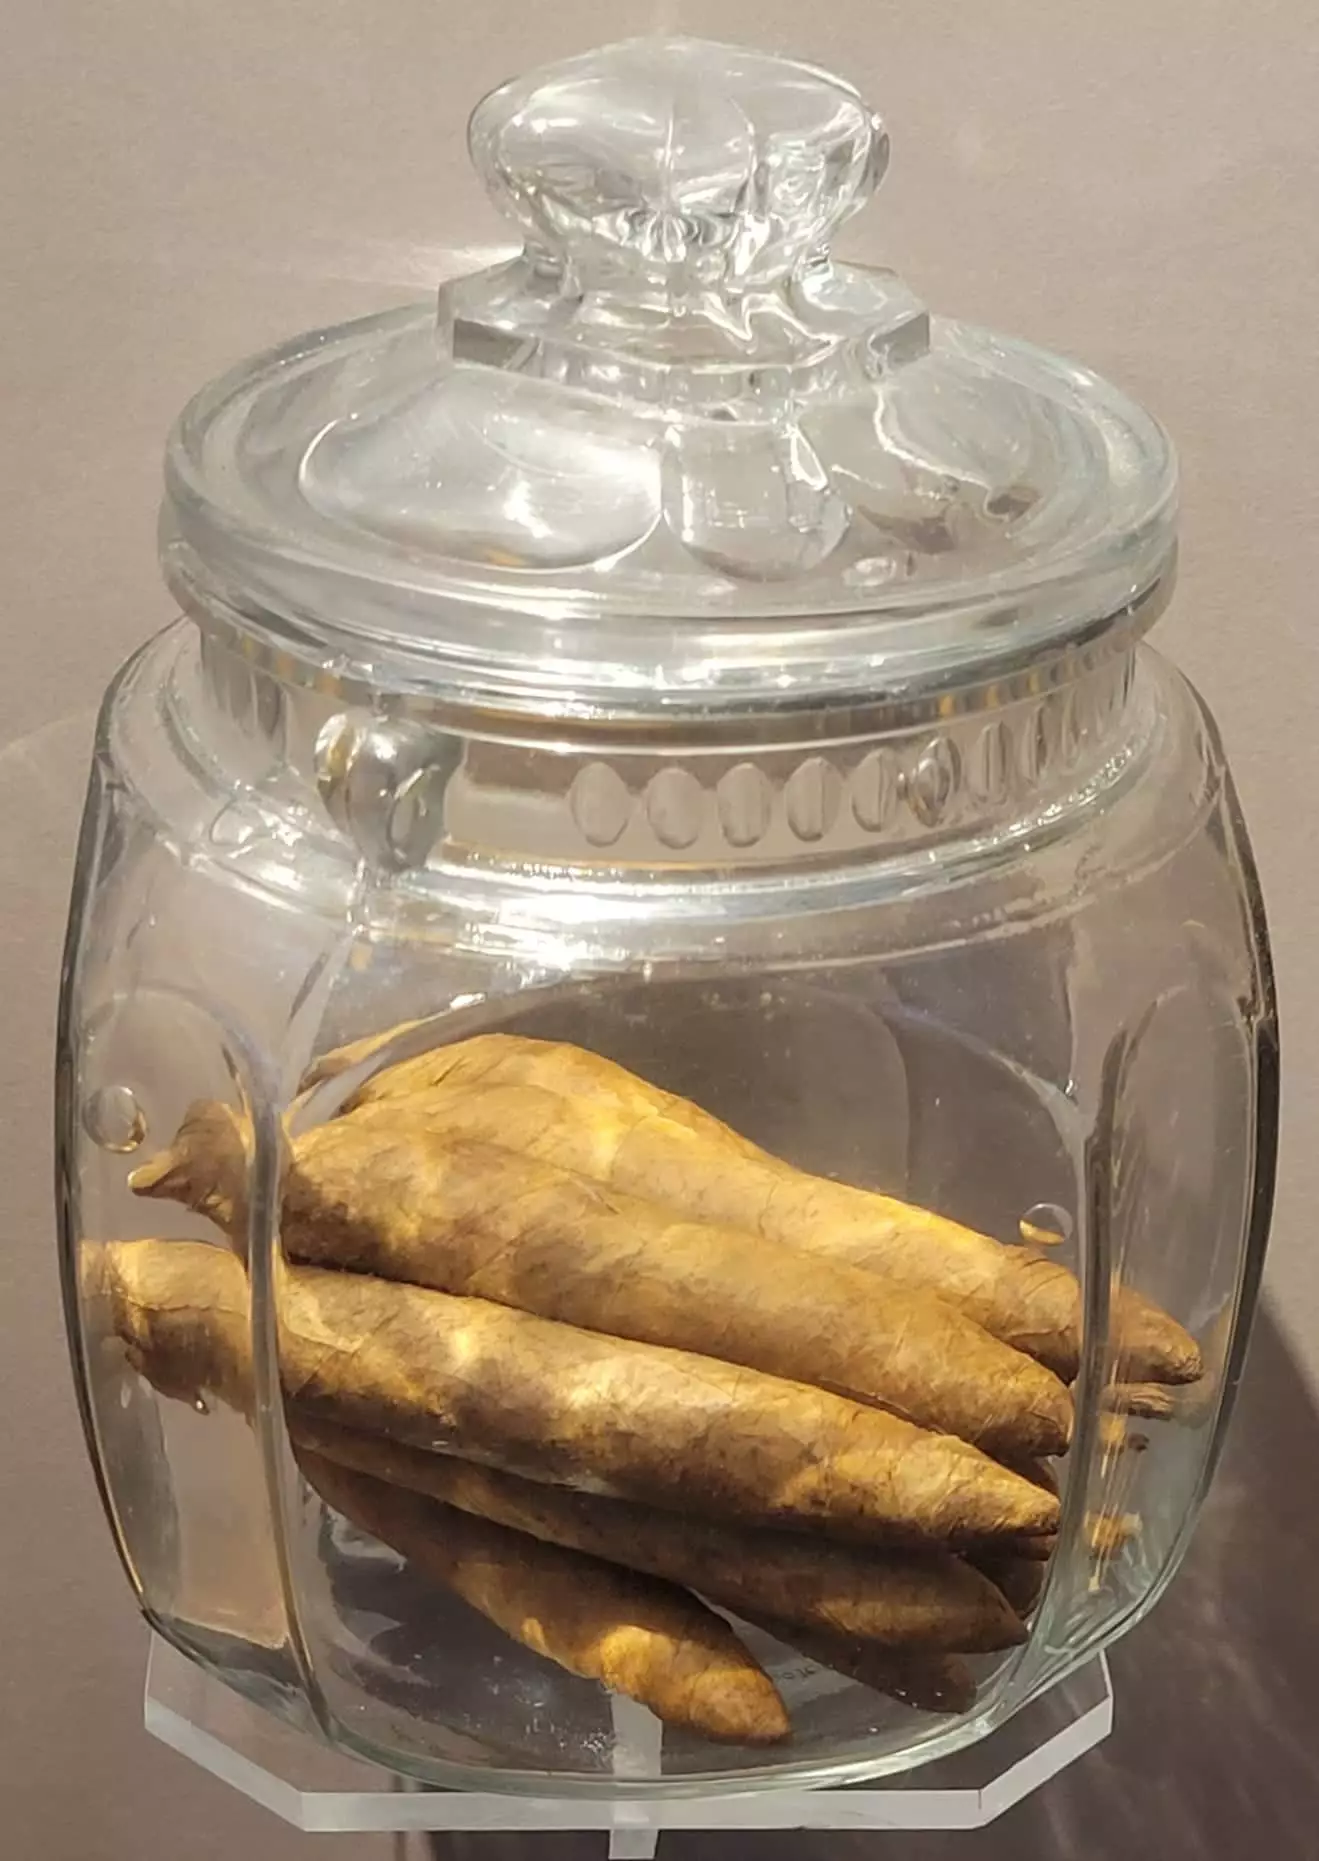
1050	1514
1182	1361
742	1706
150	1178
1040	1516
1059	1433
998	1626
1015	1506
1036	1417
1152	1347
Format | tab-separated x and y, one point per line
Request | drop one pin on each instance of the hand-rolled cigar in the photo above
562	1406
647	1639
1152	1401
1036	1550
622	1131
1151	1346
926	1601
392	1190
1020	1580
1039	1472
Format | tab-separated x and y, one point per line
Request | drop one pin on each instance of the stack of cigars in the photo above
613	1374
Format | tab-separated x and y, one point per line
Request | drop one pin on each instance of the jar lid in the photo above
673	455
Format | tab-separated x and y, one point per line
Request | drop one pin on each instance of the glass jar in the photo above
668	1070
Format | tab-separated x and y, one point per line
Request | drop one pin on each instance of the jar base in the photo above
309	1784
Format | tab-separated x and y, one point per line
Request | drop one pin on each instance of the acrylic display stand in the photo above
317	1788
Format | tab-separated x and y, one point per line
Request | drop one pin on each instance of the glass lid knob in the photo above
713	166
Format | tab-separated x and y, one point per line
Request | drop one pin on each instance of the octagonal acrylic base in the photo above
315	1787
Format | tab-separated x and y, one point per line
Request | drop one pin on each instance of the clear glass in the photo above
1010	968
693	667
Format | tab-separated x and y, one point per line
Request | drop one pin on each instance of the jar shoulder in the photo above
1010	817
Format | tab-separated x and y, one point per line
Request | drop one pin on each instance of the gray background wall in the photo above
181	183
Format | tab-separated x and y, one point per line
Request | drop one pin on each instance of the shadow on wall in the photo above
1213	1748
